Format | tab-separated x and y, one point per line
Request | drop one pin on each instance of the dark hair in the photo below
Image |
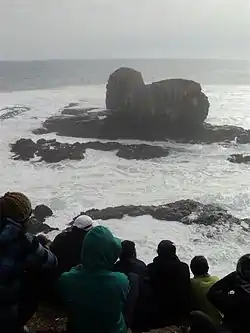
166	249
199	266
128	249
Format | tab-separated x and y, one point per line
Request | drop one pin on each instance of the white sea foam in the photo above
198	172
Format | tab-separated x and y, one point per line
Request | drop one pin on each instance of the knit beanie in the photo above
15	206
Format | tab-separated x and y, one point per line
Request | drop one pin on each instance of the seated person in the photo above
200	284
231	296
170	283
128	263
67	245
95	296
22	261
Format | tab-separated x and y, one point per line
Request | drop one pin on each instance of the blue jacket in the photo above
20	253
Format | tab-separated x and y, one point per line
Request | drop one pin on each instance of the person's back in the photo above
231	296
170	282
22	258
201	283
68	244
128	262
95	296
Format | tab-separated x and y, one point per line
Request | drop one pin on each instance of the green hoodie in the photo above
94	295
200	287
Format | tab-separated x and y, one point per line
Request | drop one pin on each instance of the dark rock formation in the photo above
41	212
73	111
52	151
121	86
141	152
118	126
172	109
178	103
184	211
239	158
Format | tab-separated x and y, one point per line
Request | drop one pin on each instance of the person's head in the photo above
16	207
83	222
100	249
128	250
166	249
199	266
243	267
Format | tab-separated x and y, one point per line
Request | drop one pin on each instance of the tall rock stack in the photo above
175	106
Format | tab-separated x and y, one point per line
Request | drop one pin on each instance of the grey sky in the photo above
42	29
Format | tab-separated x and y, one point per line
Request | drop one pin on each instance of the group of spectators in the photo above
103	287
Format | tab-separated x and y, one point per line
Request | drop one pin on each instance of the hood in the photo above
243	268
10	230
100	249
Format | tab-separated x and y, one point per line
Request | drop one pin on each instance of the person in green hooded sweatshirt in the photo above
95	296
201	284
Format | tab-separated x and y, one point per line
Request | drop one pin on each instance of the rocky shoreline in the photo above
52	151
184	211
111	125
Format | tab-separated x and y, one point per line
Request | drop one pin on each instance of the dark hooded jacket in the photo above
231	296
67	248
21	255
170	283
95	296
128	263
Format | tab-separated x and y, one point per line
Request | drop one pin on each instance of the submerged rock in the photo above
41	212
142	152
184	211
239	158
13	111
52	151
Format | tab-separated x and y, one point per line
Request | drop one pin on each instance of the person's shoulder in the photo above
74	272
120	278
184	266
214	278
141	263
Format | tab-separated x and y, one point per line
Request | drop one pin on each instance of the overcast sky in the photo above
52	29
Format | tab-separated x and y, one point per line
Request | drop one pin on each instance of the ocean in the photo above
199	172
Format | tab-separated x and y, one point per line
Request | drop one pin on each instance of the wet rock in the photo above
13	111
121	86
24	149
184	211
239	158
70	111
41	212
52	151
142	152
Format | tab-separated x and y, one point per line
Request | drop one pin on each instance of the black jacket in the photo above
231	296
171	288
67	248
132	265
